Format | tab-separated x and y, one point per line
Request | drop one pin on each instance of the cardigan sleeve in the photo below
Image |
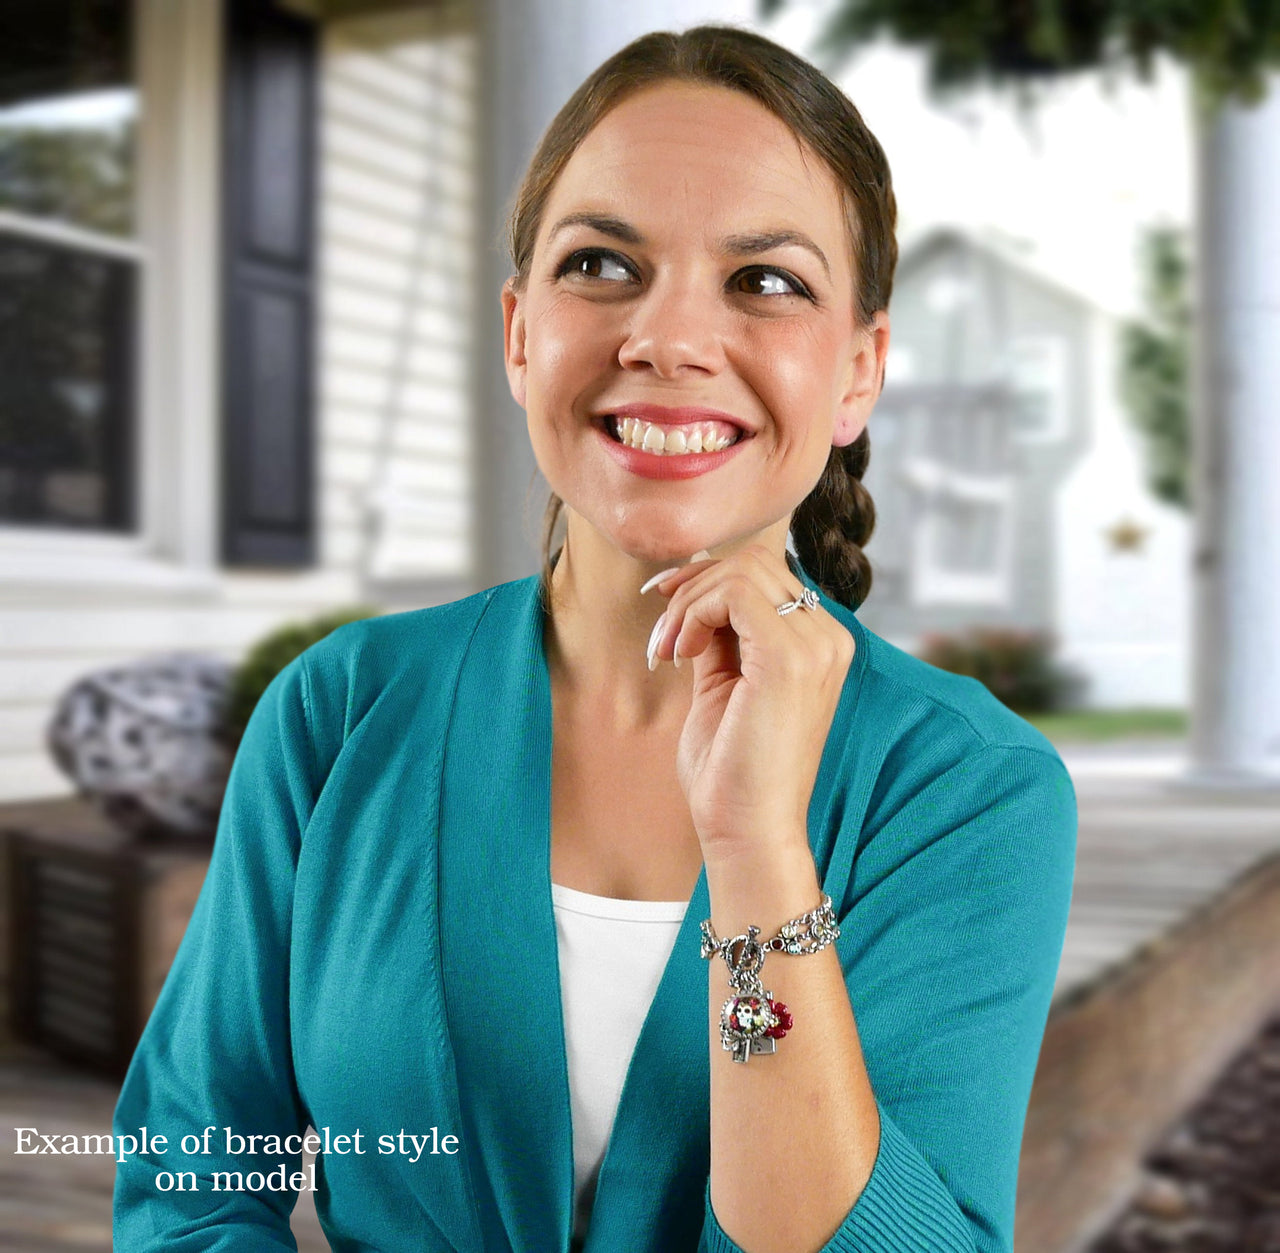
955	937
216	1051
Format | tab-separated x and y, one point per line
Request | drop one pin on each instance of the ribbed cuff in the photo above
903	1209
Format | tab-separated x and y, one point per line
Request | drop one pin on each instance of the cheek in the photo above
546	348
795	366
569	318
563	341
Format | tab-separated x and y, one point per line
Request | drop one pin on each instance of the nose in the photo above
674	329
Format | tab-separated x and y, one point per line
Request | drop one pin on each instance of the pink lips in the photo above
655	466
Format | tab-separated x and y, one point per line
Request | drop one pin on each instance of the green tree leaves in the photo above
1155	368
1228	44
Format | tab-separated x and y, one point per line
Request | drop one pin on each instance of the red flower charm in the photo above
784	1021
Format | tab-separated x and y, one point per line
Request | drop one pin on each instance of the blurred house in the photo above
1007	481
246	248
238	247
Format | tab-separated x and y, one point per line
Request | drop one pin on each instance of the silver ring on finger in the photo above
808	599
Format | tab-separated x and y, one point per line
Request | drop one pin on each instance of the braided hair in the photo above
832	524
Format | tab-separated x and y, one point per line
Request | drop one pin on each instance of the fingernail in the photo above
657	578
701	555
675	654
653	641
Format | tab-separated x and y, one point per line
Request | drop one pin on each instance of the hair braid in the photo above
832	524
550	515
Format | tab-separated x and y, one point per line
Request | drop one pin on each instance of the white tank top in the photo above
612	955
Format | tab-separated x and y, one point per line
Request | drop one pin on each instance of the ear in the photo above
864	380
513	339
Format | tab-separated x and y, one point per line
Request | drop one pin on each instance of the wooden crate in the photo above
95	918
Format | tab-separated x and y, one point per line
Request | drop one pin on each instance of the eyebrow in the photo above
732	245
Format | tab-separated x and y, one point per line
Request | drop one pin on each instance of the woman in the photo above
465	852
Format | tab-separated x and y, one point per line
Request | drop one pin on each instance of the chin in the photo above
666	552
651	536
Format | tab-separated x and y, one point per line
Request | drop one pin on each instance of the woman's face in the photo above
690	284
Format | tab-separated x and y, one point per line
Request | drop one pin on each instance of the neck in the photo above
599	626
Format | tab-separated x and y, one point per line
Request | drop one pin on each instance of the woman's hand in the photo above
765	690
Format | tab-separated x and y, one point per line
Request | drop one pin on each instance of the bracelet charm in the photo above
751	1021
753	1024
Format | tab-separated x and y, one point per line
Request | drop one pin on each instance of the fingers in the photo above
733	607
741	594
670	581
667	583
667	580
714	586
700	555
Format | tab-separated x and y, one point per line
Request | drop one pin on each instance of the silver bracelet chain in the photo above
751	1021
808	933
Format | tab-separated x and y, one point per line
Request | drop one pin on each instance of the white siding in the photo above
396	272
397	248
1124	616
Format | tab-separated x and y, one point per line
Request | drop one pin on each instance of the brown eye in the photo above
768	282
595	263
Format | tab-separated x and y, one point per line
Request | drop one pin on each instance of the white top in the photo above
612	955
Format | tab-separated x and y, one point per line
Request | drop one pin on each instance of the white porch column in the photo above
1235	731
179	55
534	53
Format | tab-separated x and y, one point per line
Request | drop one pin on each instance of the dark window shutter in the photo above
269	286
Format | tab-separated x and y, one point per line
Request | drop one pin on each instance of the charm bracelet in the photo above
751	1021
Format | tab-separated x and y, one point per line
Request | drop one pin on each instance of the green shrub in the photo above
1017	667
272	653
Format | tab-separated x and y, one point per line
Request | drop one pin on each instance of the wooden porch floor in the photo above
1149	856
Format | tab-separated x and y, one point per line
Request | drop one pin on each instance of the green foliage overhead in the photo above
272	653
1228	44
1155	378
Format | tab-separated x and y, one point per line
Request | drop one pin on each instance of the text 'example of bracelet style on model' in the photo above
751	1021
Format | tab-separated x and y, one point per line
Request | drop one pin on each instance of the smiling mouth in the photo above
672	441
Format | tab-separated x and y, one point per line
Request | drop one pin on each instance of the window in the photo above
1038	380
962	539
69	265
968	540
958	479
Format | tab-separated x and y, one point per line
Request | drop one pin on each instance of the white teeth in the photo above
673	442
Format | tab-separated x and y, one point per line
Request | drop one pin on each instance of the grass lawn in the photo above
1096	726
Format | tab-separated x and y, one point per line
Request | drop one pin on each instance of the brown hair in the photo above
831	525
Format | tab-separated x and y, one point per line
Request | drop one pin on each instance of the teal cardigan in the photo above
374	950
